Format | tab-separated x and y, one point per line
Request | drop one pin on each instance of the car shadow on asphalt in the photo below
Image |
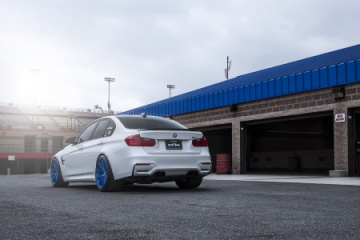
141	188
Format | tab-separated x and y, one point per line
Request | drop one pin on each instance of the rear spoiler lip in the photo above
158	129
192	133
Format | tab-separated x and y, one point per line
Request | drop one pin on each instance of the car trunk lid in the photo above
172	141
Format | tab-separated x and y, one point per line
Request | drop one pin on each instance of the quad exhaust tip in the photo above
192	173
159	174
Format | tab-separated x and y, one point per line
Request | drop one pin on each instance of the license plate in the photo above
173	145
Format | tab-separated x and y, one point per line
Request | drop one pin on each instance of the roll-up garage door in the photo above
294	144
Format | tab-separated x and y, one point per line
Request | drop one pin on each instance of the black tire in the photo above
104	176
189	182
56	175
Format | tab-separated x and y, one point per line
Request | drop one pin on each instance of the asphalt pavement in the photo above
30	208
287	178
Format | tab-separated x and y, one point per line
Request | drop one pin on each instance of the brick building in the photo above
29	137
301	116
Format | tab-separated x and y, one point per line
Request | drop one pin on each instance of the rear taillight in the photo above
136	140
200	142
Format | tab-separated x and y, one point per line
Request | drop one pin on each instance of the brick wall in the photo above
281	104
291	105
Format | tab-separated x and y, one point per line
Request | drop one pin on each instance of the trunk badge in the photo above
175	135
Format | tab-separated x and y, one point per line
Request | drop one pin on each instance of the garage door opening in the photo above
354	142
220	142
299	145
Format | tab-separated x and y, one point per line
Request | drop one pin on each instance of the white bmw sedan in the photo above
117	150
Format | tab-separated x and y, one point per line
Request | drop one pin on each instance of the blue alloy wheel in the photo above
104	177
54	172
56	176
101	173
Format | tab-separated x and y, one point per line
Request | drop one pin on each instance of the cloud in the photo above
146	45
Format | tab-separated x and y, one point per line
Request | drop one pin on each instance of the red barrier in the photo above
223	163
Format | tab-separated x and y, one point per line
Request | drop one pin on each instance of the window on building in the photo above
30	143
58	143
44	145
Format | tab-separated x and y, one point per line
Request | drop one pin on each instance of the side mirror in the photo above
72	140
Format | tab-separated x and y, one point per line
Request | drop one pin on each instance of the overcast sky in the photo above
57	52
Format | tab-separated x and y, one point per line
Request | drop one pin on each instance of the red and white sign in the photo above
340	117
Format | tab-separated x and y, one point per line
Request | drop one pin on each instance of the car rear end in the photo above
161	150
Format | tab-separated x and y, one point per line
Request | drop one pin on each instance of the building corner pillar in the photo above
235	169
341	166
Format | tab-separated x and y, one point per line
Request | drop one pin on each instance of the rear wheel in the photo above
104	177
56	176
189	182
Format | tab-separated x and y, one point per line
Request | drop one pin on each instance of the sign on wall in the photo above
340	117
11	158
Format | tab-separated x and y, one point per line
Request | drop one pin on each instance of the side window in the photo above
110	129
88	132
100	129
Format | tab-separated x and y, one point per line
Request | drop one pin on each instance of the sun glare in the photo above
34	90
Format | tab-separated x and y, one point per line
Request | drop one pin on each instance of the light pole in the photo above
170	87
109	80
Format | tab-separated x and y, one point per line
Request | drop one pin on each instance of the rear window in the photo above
150	123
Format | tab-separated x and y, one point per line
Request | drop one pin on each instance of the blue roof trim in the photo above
326	70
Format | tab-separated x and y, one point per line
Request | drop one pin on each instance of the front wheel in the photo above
189	182
104	177
56	176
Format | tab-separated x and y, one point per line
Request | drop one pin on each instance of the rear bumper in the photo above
151	169
130	163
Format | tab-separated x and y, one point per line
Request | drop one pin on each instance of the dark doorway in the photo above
354	143
220	141
30	143
300	144
57	143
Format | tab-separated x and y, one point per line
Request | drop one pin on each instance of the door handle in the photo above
100	143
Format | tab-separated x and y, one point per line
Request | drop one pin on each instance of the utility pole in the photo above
170	87
109	80
227	69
